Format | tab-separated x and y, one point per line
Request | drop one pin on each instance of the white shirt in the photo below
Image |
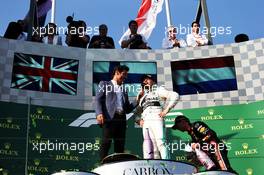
119	94
193	37
56	40
168	44
150	102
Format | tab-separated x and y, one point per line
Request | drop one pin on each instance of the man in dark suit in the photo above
112	105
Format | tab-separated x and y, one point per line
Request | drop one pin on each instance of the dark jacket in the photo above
106	100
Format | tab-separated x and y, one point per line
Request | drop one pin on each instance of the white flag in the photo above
146	18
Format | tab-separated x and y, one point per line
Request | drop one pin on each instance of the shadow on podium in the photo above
119	157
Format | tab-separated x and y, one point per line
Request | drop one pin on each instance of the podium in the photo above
215	173
129	164
74	173
119	157
120	164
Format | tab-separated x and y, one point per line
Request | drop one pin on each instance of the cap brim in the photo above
144	77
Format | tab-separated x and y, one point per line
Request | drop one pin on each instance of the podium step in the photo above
74	173
214	173
146	167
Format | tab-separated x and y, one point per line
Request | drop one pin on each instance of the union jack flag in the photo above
46	74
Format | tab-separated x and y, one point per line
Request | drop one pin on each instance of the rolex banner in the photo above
240	127
58	139
64	139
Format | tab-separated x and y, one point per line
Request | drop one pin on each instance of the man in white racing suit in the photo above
152	117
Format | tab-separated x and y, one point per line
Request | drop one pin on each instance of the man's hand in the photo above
109	45
100	119
200	42
163	113
176	43
195	145
141	123
143	46
97	42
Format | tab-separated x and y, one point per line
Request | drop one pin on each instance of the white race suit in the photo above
154	144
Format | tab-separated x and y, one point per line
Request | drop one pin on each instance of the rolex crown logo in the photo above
9	119
211	111
241	121
249	171
7	145
37	162
97	140
245	146
38	135
67	152
5	172
40	110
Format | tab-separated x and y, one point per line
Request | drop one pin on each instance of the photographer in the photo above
15	30
134	40
51	35
102	40
76	35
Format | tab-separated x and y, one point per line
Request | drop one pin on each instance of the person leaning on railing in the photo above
15	30
102	40
51	36
171	41
134	40
195	39
76	35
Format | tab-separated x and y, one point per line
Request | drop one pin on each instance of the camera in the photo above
73	25
103	39
136	41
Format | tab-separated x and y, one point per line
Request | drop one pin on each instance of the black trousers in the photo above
114	129
222	153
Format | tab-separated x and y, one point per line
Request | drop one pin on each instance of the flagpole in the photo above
31	19
53	10
207	21
168	14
